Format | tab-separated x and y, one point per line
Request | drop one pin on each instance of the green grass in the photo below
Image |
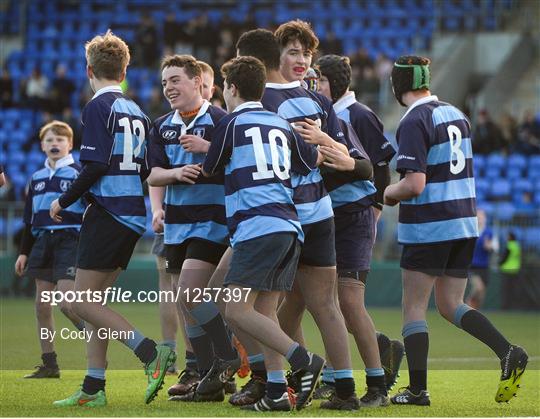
462	379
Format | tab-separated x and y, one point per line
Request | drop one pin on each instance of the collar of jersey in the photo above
281	86
248	105
419	102
344	102
177	119
116	89
63	162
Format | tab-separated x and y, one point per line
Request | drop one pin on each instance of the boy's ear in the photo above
89	71
122	76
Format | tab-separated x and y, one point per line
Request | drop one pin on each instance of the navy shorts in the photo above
266	263
158	246
319	244
355	236
105	243
205	250
437	259
54	255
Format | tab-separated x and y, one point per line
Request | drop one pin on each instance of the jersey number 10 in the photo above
127	162
260	157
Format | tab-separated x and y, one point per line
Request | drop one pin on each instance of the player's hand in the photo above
158	218
188	173
20	264
388	200
336	159
311	132
54	211
194	144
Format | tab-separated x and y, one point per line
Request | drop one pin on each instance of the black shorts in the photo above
355	236
437	259
319	247
205	250
54	255
483	273
266	263
105	243
158	247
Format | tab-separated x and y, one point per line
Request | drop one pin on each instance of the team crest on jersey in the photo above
170	134
199	132
39	186
64	185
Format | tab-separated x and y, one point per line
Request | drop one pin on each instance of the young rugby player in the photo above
438	228
113	153
257	150
357	208
316	276
195	229
49	249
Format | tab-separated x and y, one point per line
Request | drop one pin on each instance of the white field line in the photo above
474	359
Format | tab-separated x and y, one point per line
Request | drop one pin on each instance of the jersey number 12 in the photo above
127	162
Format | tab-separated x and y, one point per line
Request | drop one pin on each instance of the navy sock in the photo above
416	341
275	390
49	359
297	357
202	347
191	360
477	325
344	383
92	385
146	350
256	365
376	381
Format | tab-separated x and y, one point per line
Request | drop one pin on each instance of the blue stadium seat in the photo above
495	160
505	211
500	189
479	163
492	172
513	173
517	160
534	162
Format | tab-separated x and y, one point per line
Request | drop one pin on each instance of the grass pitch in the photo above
462	380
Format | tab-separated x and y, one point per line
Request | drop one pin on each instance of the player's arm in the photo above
304	158
312	134
28	239
220	150
157	195
410	186
411	163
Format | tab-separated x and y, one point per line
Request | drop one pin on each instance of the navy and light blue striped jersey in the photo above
259	150
368	129
349	195
190	210
435	138
45	186
115	132
294	103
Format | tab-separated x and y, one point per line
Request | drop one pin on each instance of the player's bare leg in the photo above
477	293
64	285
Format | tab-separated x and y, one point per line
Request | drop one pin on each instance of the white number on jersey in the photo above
138	128
455	150
260	158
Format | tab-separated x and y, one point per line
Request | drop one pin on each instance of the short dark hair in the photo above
297	30
187	62
261	44
247	74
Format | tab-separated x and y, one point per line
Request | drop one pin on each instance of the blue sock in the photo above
277	376
328	375
458	315
374	372
98	373
170	343
134	341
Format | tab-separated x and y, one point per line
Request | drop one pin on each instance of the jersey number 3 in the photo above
127	162
457	158
260	157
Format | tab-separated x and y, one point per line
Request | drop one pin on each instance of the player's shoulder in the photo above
163	120
40	174
216	112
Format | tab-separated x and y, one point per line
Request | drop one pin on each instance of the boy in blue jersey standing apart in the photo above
257	150
49	249
438	228
113	153
195	229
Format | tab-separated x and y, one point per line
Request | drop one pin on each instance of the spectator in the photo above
61	90
368	89
204	38
156	107
75	124
383	69
510	266
509	132
331	44
528	135
487	136
359	62
37	90
479	272
6	89
146	41
7	191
